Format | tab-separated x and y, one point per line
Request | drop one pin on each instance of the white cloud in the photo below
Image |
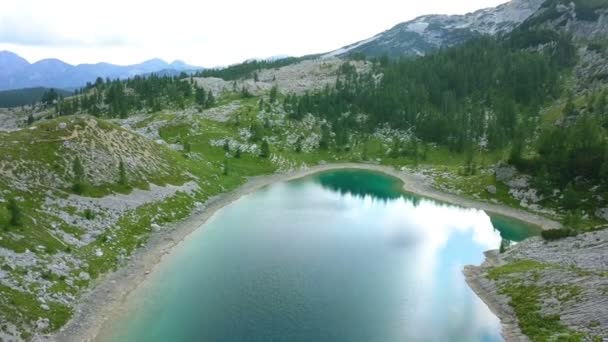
206	33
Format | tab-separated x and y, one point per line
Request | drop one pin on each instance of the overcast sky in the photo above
204	33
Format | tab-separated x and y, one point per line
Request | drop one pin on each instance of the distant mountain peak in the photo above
10	60
5	53
51	61
154	60
430	32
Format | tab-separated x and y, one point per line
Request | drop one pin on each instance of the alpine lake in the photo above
337	256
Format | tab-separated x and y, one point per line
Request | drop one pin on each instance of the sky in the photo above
203	33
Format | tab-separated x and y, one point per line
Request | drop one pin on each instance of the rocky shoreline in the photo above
498	304
107	295
570	276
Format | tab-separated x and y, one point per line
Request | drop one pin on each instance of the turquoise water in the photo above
339	256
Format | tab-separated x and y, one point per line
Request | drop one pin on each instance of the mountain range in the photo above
16	72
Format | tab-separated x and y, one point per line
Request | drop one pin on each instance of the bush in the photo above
573	220
89	214
571	198
556	234
78	188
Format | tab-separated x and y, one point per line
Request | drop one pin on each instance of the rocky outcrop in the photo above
587	23
570	277
519	185
298	78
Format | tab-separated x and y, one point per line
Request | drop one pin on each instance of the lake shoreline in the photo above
487	292
111	289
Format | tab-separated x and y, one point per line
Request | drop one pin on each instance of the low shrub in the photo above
556	234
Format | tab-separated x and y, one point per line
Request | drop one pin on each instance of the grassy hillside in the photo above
46	225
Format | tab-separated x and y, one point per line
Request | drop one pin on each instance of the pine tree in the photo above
245	92
274	92
570	109
49	97
210	99
200	96
122	174
415	152
469	160
257	131
78	173
14	211
265	149
504	245
325	137
515	156
225	167
570	200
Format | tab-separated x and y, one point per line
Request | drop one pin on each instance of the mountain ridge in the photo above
427	33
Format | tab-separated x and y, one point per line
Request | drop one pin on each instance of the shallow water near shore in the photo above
338	256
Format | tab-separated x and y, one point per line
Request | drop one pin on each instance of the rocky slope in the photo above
64	239
307	75
427	33
548	290
586	21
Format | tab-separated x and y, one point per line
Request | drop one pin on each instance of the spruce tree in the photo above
274	92
210	99
14	211
225	167
200	96
78	174
122	174
265	149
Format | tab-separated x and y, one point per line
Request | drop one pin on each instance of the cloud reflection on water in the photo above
422	230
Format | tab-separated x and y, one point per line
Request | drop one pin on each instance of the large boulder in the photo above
504	172
491	189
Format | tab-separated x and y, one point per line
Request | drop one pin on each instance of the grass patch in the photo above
538	327
526	297
520	266
24	309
